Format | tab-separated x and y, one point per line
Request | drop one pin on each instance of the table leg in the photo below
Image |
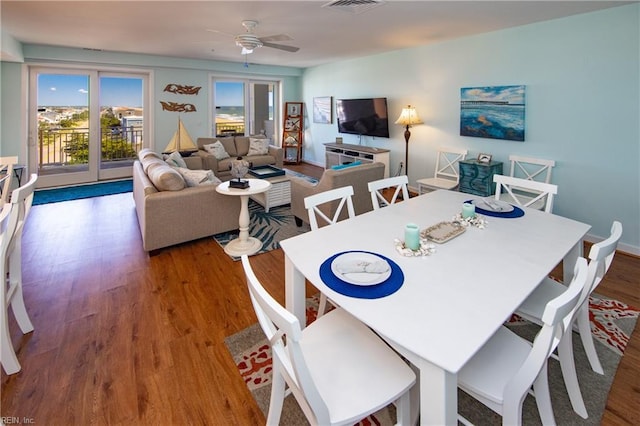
438	395
244	244
295	292
569	262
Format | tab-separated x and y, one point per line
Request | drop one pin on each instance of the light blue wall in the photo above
582	106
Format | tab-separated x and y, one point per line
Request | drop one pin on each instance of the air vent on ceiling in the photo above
354	6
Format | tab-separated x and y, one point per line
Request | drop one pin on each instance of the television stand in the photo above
343	153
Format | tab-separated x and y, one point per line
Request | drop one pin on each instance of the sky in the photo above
73	90
229	93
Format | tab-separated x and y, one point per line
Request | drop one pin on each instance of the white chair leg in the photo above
10	362
584	327
403	410
543	398
568	366
17	300
322	306
277	395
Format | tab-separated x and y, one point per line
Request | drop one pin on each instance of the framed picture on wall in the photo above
484	158
322	110
495	112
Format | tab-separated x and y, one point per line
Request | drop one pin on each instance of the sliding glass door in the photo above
85	125
245	107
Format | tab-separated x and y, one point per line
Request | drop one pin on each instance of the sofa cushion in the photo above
197	177
217	150
164	177
229	145
258	146
175	159
242	146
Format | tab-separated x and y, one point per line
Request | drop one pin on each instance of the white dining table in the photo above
452	301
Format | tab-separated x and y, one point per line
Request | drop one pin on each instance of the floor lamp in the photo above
408	117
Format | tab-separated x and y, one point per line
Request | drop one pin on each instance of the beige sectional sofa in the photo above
237	146
170	212
356	176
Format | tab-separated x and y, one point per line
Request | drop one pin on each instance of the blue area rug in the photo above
46	196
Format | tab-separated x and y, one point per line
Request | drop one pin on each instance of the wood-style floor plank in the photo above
122	338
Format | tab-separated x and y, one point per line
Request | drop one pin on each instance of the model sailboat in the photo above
181	142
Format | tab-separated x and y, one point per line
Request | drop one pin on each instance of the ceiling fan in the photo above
250	41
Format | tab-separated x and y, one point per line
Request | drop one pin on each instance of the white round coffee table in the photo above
244	244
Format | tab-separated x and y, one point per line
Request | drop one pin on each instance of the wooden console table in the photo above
342	153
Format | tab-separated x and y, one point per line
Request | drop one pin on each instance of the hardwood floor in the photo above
124	338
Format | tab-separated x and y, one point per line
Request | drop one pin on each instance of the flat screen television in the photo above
363	116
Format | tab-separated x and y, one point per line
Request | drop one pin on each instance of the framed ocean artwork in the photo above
495	112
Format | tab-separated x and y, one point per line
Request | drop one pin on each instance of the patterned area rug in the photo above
611	323
270	228
45	196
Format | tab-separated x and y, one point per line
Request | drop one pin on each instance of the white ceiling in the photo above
180	28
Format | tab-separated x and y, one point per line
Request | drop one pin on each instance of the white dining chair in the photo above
6	179
525	193
314	205
600	258
502	372
338	370
447	174
11	266
399	185
530	168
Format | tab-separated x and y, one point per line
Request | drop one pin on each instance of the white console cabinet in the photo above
343	153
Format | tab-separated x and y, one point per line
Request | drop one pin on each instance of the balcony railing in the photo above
228	128
65	147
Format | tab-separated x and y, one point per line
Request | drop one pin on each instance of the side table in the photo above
244	244
477	178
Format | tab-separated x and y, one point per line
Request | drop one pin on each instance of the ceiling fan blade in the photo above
281	47
276	37
220	32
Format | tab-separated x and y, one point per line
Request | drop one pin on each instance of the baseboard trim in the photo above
622	247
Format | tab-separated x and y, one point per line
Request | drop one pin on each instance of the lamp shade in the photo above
408	117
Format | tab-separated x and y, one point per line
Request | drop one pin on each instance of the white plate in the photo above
493	205
360	278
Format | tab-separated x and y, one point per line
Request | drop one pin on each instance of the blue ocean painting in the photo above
492	112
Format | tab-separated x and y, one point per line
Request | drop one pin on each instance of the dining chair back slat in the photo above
6	179
525	193
314	203
530	168
446	174
399	185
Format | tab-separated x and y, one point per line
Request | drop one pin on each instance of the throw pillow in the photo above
258	146
217	150
175	160
147	153
344	166
198	177
165	178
